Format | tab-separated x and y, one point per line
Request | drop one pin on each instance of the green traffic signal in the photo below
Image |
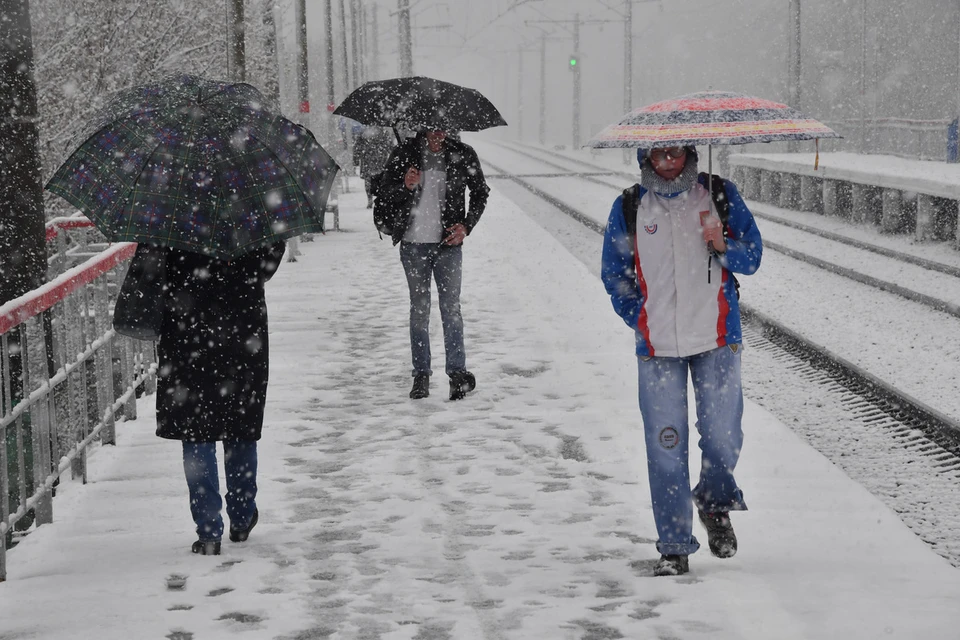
573	61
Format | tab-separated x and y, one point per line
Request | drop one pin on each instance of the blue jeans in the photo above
445	265
663	404
200	468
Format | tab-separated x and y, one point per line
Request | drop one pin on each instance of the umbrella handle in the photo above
397	134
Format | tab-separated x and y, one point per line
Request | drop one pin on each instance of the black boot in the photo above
241	535
720	535
208	548
461	383
672	566
421	386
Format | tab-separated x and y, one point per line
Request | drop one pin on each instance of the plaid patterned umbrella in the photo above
198	165
707	118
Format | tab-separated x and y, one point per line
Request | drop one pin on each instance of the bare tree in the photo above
88	49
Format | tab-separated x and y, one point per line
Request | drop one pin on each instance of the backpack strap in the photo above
718	191
630	204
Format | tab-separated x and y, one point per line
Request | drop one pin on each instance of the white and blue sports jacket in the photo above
666	284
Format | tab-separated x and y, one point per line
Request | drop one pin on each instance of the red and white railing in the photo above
65	378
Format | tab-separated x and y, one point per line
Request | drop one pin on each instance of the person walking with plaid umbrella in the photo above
210	181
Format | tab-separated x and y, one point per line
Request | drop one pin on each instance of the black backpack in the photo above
631	203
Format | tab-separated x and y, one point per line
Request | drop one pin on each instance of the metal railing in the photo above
65	377
902	137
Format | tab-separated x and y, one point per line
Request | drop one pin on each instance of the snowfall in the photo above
521	512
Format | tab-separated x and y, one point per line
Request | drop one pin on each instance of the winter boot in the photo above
241	535
672	566
206	548
722	539
461	383
421	386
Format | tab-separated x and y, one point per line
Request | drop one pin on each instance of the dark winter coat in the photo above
213	349
463	172
371	150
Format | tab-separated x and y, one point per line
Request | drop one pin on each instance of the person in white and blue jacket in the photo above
670	277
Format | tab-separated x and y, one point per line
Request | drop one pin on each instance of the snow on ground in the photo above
521	512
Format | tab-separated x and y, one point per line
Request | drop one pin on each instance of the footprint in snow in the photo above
176	582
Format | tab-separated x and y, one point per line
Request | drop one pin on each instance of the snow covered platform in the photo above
897	194
521	512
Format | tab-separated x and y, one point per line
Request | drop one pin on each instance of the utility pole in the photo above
23	253
543	89
576	83
355	40
628	57
520	94
364	44
375	45
346	54
627	68
236	51
271	81
795	59
576	62
863	76
303	76
405	39
331	80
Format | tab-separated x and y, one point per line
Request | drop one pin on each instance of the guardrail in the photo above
902	137
70	241
65	379
906	196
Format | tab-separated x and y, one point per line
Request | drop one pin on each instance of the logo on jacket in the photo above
650	228
669	438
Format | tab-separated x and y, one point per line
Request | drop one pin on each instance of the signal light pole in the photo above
575	64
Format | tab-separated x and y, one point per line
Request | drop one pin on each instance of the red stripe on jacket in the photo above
642	325
724	308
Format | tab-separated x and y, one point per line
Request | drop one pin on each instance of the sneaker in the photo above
206	547
241	535
461	384
421	386
722	539
672	566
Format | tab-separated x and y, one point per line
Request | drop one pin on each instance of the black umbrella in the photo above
420	103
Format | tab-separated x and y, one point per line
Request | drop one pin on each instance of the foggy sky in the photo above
879	59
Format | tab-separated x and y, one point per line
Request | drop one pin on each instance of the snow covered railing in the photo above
70	241
65	378
909	138
898	195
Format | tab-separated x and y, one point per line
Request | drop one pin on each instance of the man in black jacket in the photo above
421	205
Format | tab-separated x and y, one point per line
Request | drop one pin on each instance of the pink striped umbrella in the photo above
708	118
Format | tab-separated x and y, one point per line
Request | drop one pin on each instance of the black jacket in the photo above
396	202
213	349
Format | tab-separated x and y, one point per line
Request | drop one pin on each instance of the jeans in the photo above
663	405
200	468
445	264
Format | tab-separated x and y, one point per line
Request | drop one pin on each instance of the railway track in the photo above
898	447
927	300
